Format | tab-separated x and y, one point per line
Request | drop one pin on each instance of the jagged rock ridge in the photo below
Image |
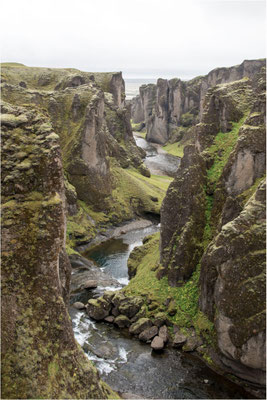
173	103
213	216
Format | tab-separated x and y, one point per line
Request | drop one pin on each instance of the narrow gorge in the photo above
133	235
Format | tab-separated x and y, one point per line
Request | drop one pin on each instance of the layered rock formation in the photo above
170	104
89	114
40	358
213	217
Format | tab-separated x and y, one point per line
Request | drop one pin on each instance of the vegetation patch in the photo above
175	149
183	299
220	151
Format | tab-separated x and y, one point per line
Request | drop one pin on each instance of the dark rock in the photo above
179	339
139	326
163	333
130	306
157	343
108	295
23	84
160	319
192	343
148	333
115	311
122	321
98	309
91	284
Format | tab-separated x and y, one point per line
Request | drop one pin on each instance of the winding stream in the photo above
127	365
158	161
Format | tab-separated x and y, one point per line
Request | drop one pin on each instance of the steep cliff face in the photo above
213	217
89	114
40	358
177	103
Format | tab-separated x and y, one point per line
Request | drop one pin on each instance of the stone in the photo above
78	305
139	326
109	319
91	284
98	309
157	343
122	321
108	295
160	319
115	312
163	333
192	343
148	334
179	339
130	306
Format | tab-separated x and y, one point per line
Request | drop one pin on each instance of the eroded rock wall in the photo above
213	216
89	113
40	357
177	103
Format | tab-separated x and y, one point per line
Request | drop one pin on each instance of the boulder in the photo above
115	312
91	284
130	306
179	339
163	333
118	298
157	343
192	343
98	309
139	326
160	319
148	333
122	321
109	319
78	305
108	295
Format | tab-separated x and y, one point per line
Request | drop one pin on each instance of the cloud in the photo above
133	35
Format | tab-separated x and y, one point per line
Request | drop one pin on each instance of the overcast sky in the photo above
149	38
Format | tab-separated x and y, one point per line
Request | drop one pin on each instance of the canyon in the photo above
73	176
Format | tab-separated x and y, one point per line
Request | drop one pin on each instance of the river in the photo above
127	365
158	161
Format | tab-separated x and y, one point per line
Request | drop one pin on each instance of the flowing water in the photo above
130	366
157	160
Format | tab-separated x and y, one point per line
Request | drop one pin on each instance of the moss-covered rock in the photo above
98	309
141	325
40	357
89	114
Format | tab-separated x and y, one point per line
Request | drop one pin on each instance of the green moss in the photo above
184	299
174	149
246	195
207	236
220	151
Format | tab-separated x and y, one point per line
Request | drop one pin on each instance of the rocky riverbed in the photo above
130	366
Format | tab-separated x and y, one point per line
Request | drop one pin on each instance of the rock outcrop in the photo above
40	357
213	217
173	103
89	113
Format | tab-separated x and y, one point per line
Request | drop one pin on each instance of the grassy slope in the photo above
184	299
174	149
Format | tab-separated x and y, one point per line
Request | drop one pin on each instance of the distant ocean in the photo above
132	86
